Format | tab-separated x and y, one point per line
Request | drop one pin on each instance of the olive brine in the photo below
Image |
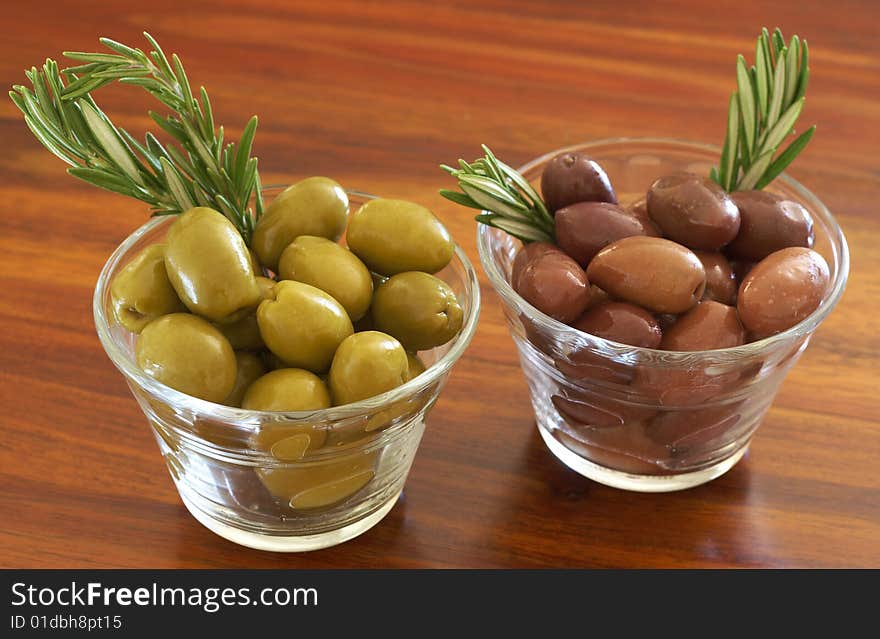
296	322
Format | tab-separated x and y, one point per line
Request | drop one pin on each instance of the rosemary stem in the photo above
59	109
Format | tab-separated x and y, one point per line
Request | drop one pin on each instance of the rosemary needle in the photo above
762	113
60	111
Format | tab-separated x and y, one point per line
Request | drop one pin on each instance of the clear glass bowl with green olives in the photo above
289	404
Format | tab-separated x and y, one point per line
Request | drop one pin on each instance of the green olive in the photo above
289	441
393	236
287	389
402	408
366	364
364	324
315	206
209	266
249	367
330	267
303	325
141	292
415	366
266	286
324	484
244	333
188	354
271	360
309	486
255	263
418	309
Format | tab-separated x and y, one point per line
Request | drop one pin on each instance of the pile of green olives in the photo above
297	321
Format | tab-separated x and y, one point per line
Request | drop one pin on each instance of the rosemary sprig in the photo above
505	198
762	113
61	113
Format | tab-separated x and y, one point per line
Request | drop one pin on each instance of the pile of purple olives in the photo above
688	267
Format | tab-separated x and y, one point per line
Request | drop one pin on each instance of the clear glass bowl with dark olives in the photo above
652	363
300	402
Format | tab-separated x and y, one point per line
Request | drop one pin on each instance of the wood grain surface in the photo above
376	95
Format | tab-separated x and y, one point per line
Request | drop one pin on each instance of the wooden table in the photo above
377	95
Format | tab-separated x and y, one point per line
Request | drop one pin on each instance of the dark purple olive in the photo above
689	431
621	322
527	253
573	177
597	296
585	228
782	289
639	210
707	326
720	280
768	223
681	385
626	448
694	211
583	365
652	272
666	320
741	269
586	408
553	283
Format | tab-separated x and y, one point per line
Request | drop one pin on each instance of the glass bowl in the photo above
643	419
244	473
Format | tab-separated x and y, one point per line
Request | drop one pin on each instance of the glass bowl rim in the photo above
129	368
804	327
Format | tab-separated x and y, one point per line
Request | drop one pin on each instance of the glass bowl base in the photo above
292	543
638	483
